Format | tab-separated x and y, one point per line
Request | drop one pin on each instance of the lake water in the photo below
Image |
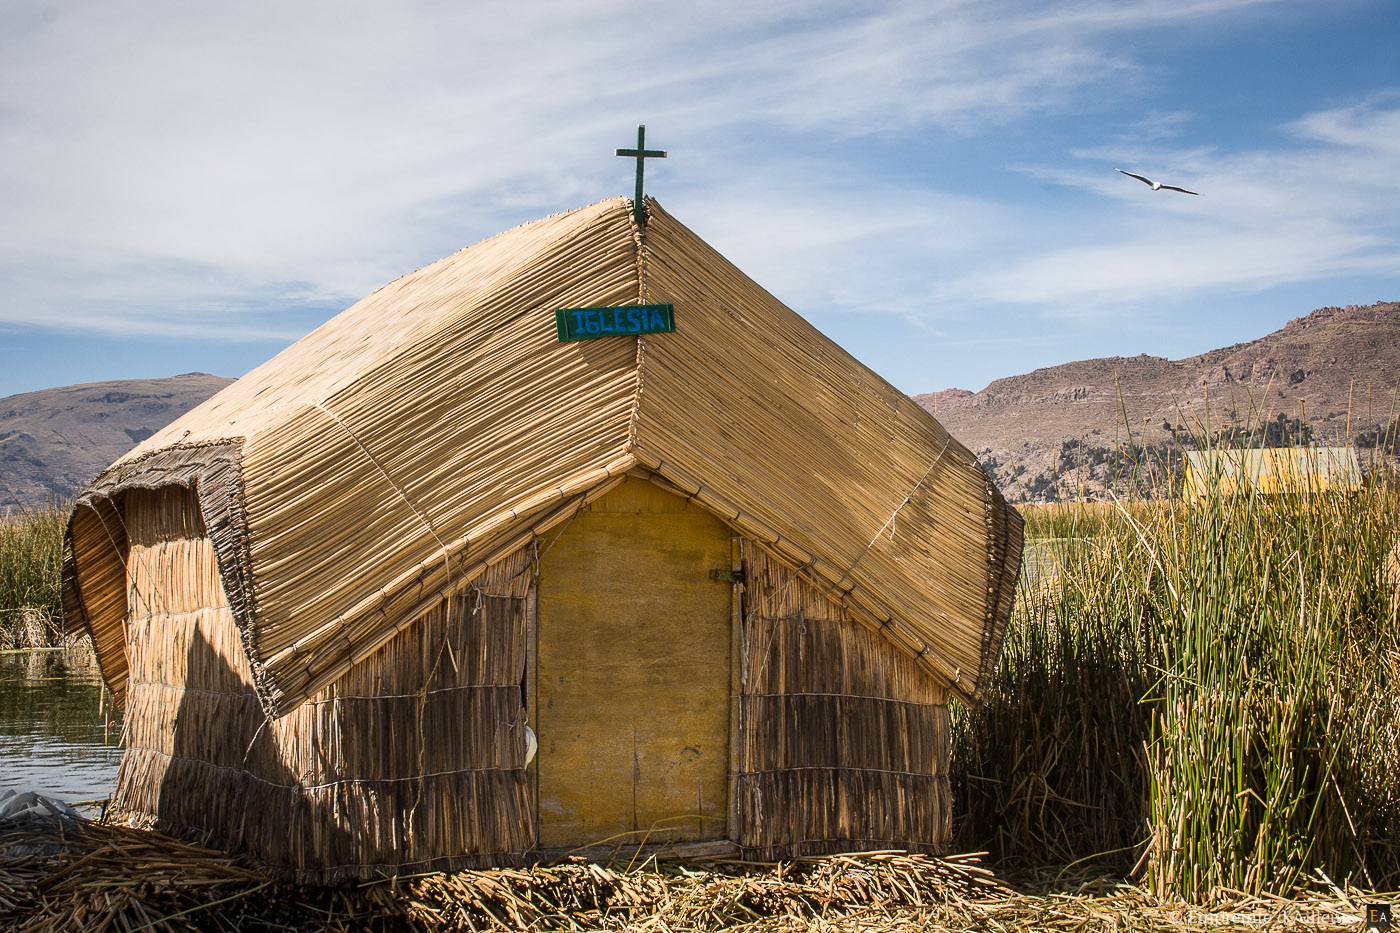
1039	561
53	737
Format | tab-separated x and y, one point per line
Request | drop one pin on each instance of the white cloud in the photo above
1264	218
166	164
1169	267
1371	124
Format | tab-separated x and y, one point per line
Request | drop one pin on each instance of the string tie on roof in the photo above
890	522
389	479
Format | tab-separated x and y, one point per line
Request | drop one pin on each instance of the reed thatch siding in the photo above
842	741
413	760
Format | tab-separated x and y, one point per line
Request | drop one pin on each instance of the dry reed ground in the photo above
123	879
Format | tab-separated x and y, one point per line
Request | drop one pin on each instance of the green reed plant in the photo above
1201	691
1273	631
31	561
1050	769
1073	519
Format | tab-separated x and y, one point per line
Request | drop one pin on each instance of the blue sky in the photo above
192	186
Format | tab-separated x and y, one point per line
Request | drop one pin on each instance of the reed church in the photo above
461	579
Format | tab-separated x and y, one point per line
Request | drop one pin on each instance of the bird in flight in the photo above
1156	185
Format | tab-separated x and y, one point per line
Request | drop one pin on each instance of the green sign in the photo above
618	321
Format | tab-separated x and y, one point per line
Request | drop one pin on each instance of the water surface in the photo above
54	738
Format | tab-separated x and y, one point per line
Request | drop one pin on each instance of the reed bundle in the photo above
115	878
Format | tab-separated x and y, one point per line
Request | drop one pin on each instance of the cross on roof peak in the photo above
641	154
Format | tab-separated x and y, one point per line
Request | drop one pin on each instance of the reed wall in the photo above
842	741
413	760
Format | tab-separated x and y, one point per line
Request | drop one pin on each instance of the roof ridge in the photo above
643	294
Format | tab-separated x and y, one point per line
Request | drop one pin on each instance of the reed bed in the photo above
1078	519
1201	696
31	563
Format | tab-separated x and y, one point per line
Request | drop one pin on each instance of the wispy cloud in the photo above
232	168
1317	209
1370	124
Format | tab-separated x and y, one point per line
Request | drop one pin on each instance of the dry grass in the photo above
121	879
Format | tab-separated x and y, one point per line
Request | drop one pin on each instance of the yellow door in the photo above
632	673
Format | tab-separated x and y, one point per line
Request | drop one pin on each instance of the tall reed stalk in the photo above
31	558
1204	692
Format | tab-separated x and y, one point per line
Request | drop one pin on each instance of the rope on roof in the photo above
385	473
889	523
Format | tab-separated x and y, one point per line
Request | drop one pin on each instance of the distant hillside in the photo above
1332	376
54	441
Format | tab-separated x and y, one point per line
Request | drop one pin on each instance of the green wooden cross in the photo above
641	154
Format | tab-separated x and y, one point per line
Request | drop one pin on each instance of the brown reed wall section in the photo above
94	586
414	760
842	741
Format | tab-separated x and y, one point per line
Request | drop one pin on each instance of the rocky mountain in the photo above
1331	377
54	441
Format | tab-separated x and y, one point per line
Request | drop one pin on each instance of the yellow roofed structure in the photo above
439	434
1271	470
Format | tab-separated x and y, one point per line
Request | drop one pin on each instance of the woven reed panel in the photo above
94	588
415	759
632	703
842	740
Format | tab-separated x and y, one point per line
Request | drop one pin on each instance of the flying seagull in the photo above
1156	185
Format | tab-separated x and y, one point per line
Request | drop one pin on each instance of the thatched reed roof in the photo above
438	423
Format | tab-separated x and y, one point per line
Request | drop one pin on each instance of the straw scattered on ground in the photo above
123	879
